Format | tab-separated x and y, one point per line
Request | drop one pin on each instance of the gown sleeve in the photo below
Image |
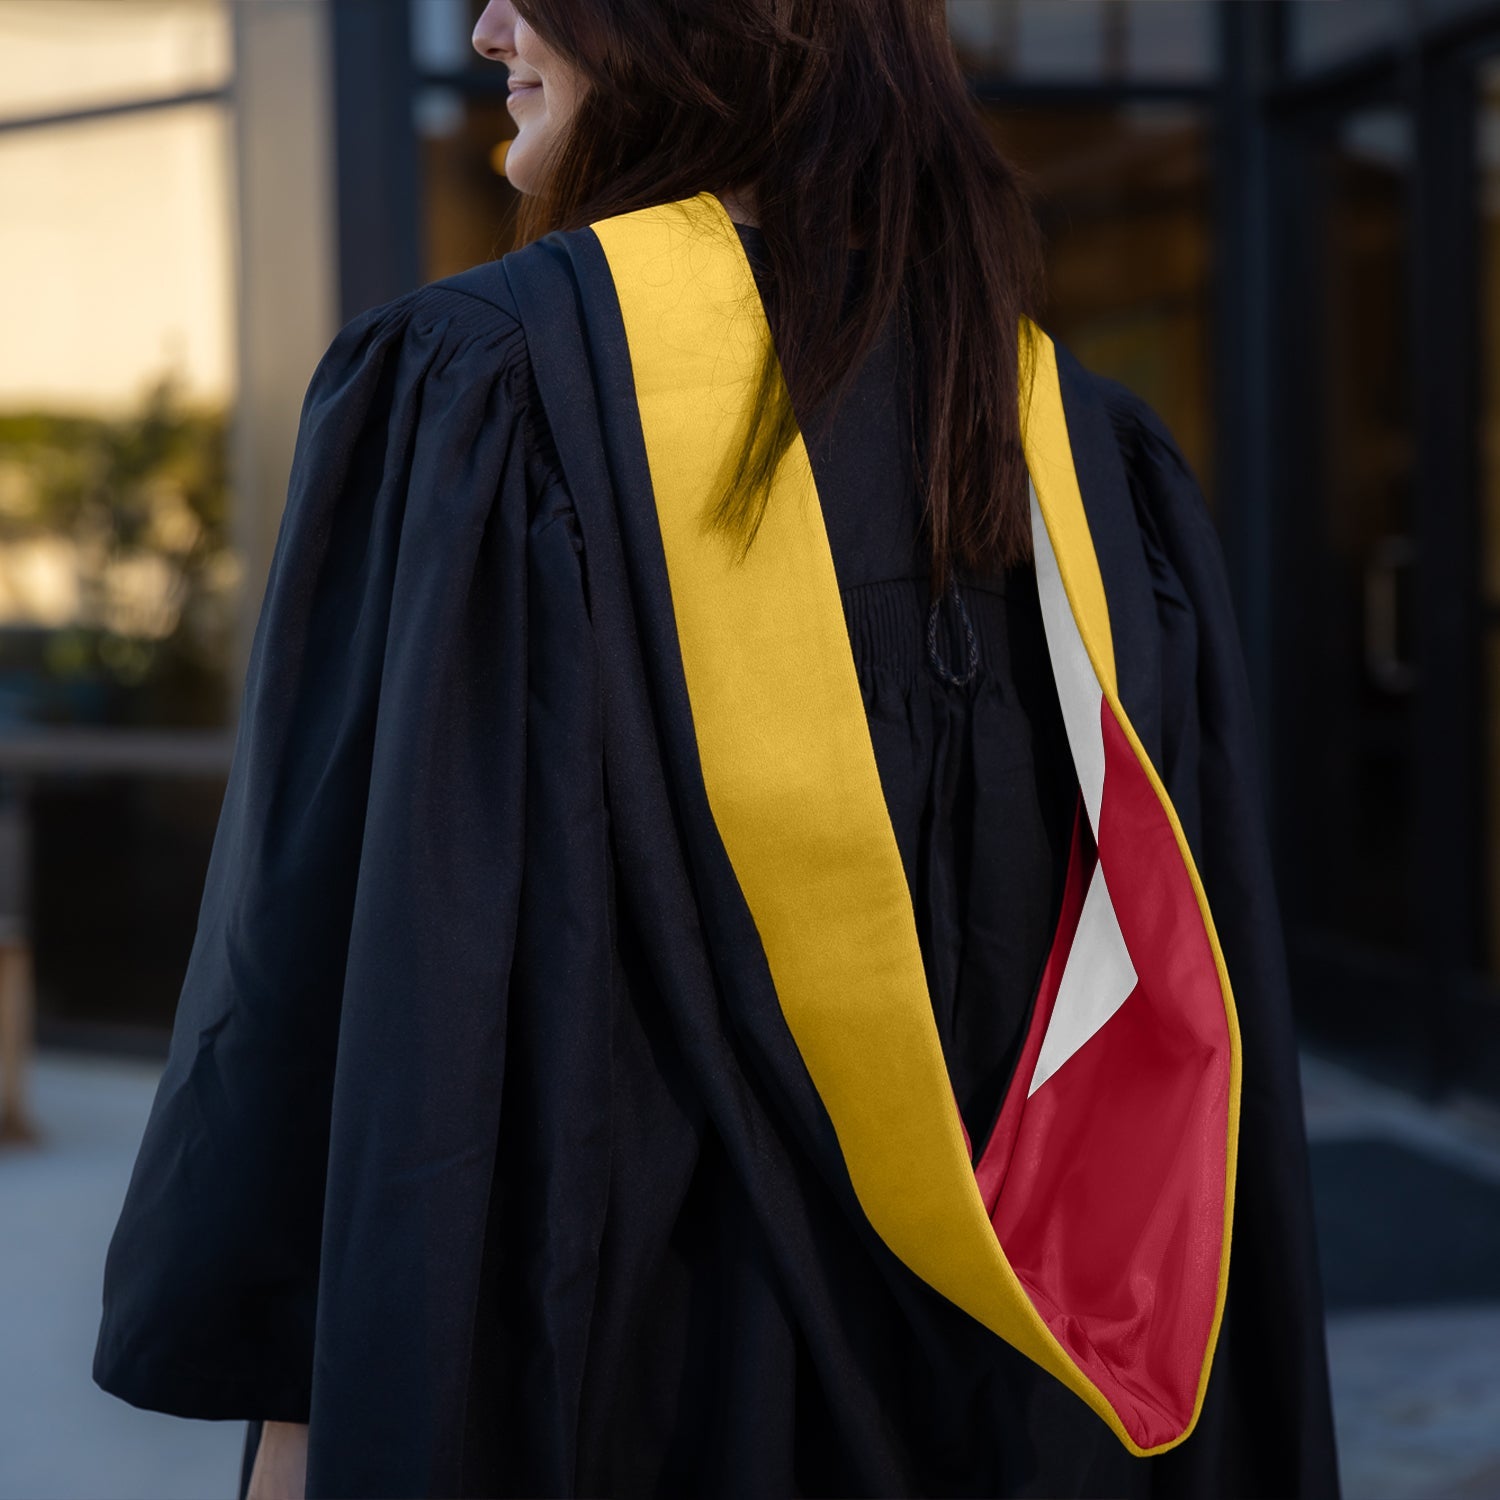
1267	1421
343	1001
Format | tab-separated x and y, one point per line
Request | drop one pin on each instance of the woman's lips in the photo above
522	88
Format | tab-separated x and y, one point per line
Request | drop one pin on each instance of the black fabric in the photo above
482	1144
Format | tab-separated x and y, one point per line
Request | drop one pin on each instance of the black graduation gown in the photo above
482	1143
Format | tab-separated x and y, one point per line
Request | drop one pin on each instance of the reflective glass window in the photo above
1124	199
63	55
1324	33
119	580
1164	41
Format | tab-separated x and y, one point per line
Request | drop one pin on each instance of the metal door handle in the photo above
1388	669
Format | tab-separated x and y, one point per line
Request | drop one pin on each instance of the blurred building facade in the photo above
1279	222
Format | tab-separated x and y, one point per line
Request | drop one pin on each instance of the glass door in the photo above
1388	521
1479	988
1350	688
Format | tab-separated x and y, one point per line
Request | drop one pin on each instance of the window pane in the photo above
1491	791
117	578
984	32
1164	41
1172	40
1084	39
1124	204
1443	10
1487	150
59	55
469	204
1358	695
1322	33
440	32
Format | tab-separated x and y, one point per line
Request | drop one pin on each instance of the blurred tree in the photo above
118	581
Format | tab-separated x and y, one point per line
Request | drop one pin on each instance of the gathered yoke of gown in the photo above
965	723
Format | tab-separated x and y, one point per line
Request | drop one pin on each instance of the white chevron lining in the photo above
1099	976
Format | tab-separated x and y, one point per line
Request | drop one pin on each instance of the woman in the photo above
658	1022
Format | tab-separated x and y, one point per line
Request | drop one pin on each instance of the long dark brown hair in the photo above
844	121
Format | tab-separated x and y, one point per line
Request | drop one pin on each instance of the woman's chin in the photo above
519	170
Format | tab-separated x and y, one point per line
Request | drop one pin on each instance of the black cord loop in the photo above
933	657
